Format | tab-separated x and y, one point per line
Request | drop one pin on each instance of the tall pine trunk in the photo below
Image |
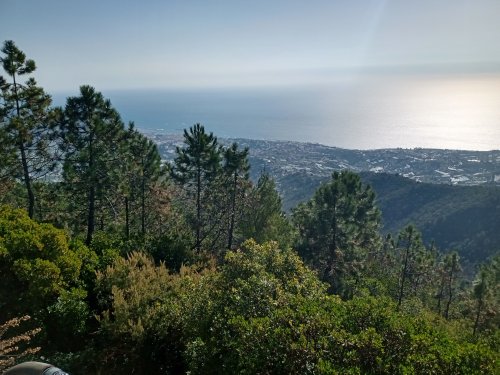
90	215
127	219
450	291
440	295
198	210
143	206
24	161
27	181
233	213
404	271
332	258
91	195
478	315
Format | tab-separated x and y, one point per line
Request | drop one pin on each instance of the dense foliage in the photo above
338	229
130	266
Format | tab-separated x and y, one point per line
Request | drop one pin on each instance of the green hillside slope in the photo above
466	218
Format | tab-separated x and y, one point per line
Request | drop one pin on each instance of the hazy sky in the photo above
142	44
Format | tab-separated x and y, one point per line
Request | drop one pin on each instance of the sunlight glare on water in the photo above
460	112
449	112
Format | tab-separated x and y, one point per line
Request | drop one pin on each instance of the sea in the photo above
444	112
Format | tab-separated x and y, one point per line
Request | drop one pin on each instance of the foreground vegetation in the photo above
126	265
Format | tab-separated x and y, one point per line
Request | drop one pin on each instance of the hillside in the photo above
465	218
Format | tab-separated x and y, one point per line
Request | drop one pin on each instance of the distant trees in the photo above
409	244
25	117
451	268
338	228
141	167
265	220
215	181
486	296
411	270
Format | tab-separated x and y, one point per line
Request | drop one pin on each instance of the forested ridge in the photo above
113	262
464	218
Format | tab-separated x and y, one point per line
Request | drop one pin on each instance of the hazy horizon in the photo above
426	71
440	112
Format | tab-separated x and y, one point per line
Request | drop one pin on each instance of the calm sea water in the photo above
432	112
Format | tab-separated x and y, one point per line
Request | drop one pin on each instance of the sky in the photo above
240	43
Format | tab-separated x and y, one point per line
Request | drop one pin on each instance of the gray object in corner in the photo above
34	368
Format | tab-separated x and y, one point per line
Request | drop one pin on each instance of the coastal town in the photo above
282	158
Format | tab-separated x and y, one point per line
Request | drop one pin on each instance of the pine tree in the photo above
409	246
91	132
196	168
142	169
480	293
441	274
25	116
452	268
338	228
263	219
486	293
236	167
